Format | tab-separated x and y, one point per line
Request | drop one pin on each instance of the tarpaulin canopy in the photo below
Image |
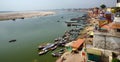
102	23
78	43
107	27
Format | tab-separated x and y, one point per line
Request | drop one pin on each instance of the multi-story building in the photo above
107	38
118	3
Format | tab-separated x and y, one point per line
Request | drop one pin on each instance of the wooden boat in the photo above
22	18
59	53
48	47
56	54
62	17
41	47
13	19
12	40
73	19
43	52
53	48
58	21
71	22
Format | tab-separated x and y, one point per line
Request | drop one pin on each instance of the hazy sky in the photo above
18	5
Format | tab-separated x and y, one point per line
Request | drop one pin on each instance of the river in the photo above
29	33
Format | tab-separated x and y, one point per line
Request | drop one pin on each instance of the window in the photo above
118	30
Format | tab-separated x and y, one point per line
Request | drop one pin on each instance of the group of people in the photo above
104	16
101	14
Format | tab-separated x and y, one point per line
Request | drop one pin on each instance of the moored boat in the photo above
53	48
56	54
14	40
43	52
41	47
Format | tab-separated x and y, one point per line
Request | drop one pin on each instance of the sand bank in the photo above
22	15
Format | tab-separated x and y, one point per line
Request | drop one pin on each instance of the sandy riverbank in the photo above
22	15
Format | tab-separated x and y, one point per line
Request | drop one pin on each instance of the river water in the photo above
29	33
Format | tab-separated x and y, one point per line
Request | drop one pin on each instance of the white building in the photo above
118	3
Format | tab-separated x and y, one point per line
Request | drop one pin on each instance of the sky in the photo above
22	5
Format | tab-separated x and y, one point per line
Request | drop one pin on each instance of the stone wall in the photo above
112	43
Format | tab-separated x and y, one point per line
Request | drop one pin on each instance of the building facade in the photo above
118	3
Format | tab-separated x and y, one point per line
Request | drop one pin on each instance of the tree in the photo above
115	60
103	6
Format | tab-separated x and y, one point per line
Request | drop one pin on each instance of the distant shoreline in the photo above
22	15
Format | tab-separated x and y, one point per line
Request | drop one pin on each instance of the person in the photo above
96	27
101	13
108	16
